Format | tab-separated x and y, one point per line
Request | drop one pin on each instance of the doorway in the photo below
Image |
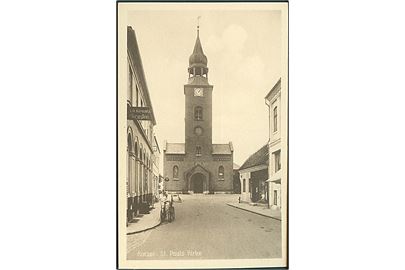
197	181
255	190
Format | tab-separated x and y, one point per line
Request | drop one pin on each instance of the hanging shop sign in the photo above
139	113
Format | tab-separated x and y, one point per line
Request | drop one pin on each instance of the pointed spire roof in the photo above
198	58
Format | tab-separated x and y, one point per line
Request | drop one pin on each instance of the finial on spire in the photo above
198	25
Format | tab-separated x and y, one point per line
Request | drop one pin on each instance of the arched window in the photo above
128	178
136	168
175	172
140	176
275	119
198	151
198	113
221	173
145	172
129	143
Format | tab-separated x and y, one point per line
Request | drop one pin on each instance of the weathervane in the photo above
198	23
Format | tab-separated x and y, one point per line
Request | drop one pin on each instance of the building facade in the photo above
198	165
161	184
253	176
236	179
273	101
156	173
140	136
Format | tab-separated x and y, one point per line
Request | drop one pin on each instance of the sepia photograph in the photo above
202	92
202	135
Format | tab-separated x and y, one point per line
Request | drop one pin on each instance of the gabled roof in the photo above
276	87
221	149
175	148
195	168
135	56
260	157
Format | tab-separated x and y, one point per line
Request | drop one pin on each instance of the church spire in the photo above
198	60
198	26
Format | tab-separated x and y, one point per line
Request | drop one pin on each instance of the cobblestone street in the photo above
207	228
136	240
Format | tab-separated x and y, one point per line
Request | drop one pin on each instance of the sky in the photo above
243	48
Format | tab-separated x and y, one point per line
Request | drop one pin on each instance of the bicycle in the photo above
172	215
163	211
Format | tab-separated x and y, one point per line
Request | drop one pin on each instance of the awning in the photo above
277	181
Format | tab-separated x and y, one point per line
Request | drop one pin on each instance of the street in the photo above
207	228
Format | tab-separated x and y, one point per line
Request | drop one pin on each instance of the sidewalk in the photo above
264	211
145	222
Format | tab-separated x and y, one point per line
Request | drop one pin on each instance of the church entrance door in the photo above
198	183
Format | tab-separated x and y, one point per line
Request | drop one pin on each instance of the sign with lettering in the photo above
139	113
168	158
222	158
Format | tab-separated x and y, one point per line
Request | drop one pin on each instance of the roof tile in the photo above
260	157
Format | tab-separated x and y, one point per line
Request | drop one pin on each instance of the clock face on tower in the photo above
198	92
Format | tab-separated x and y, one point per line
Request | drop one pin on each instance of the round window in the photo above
198	131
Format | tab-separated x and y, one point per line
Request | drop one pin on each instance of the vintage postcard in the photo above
202	145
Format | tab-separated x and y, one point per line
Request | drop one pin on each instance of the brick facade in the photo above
198	166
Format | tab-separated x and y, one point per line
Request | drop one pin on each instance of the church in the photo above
198	165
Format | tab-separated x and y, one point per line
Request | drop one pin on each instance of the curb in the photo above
144	230
253	212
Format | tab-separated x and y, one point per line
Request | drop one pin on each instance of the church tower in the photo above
198	101
197	165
